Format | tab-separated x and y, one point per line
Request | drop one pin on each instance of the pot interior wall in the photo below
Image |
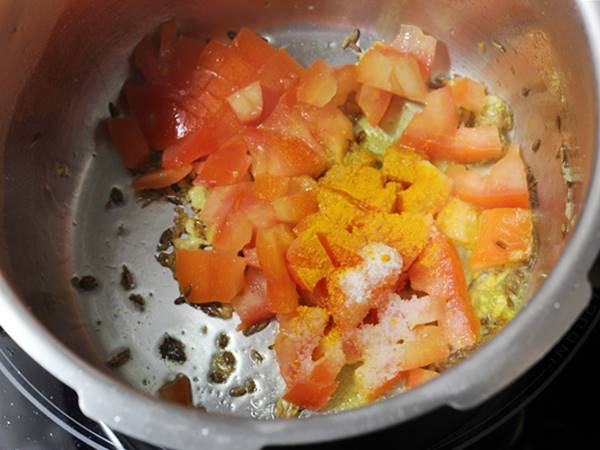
64	61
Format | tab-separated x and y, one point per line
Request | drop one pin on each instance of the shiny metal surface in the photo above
63	61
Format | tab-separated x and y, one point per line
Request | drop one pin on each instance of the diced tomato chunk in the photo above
387	69
277	155
213	55
221	202
251	303
439	272
505	236
269	187
233	234
373	102
271	247
280	73
412	41
438	118
251	257
212	275
259	212
469	94
504	186
417	377
161	178
236	69
228	165
177	391
318	385
127	136
162	120
205	140
247	103
292	209
318	85
308	262
467	145
168	37
346	83
253	48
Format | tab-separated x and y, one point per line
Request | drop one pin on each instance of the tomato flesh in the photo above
318	84
228	165
129	140
161	178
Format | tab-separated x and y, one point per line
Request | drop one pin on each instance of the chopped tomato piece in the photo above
417	377
469	94
386	69
228	165
277	155
504	186
280	73
373	102
505	236
127	136
247	103
318	85
177	391
438	118
308	359
205	140
146	60
439	272
259	212
233	234
270	187
213	276
251	304
308	261
221	202
168	37
315	388
389	348
346	83
251	257
161	178
162	120
253	48
342	247
213	55
467	145
292	209
236	69
271	247
421	310
412	41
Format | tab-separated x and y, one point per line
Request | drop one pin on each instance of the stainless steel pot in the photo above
63	61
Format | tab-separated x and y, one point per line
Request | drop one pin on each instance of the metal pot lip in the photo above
162	419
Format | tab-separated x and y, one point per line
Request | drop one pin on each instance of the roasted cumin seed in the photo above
216	309
138	301
559	123
351	41
498	46
172	349
231	34
180	300
256	356
501	244
222	365
166	259
116	196
536	145
361	136
127	279
250	385
113	110
222	341
237	391
165	240
119	359
525	92
256	328
85	283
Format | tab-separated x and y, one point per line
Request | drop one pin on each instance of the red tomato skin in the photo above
439	272
161	178
212	275
318	85
251	303
373	102
127	136
228	165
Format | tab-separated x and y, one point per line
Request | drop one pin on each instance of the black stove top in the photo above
37	412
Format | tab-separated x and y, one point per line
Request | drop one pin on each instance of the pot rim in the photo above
464	385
